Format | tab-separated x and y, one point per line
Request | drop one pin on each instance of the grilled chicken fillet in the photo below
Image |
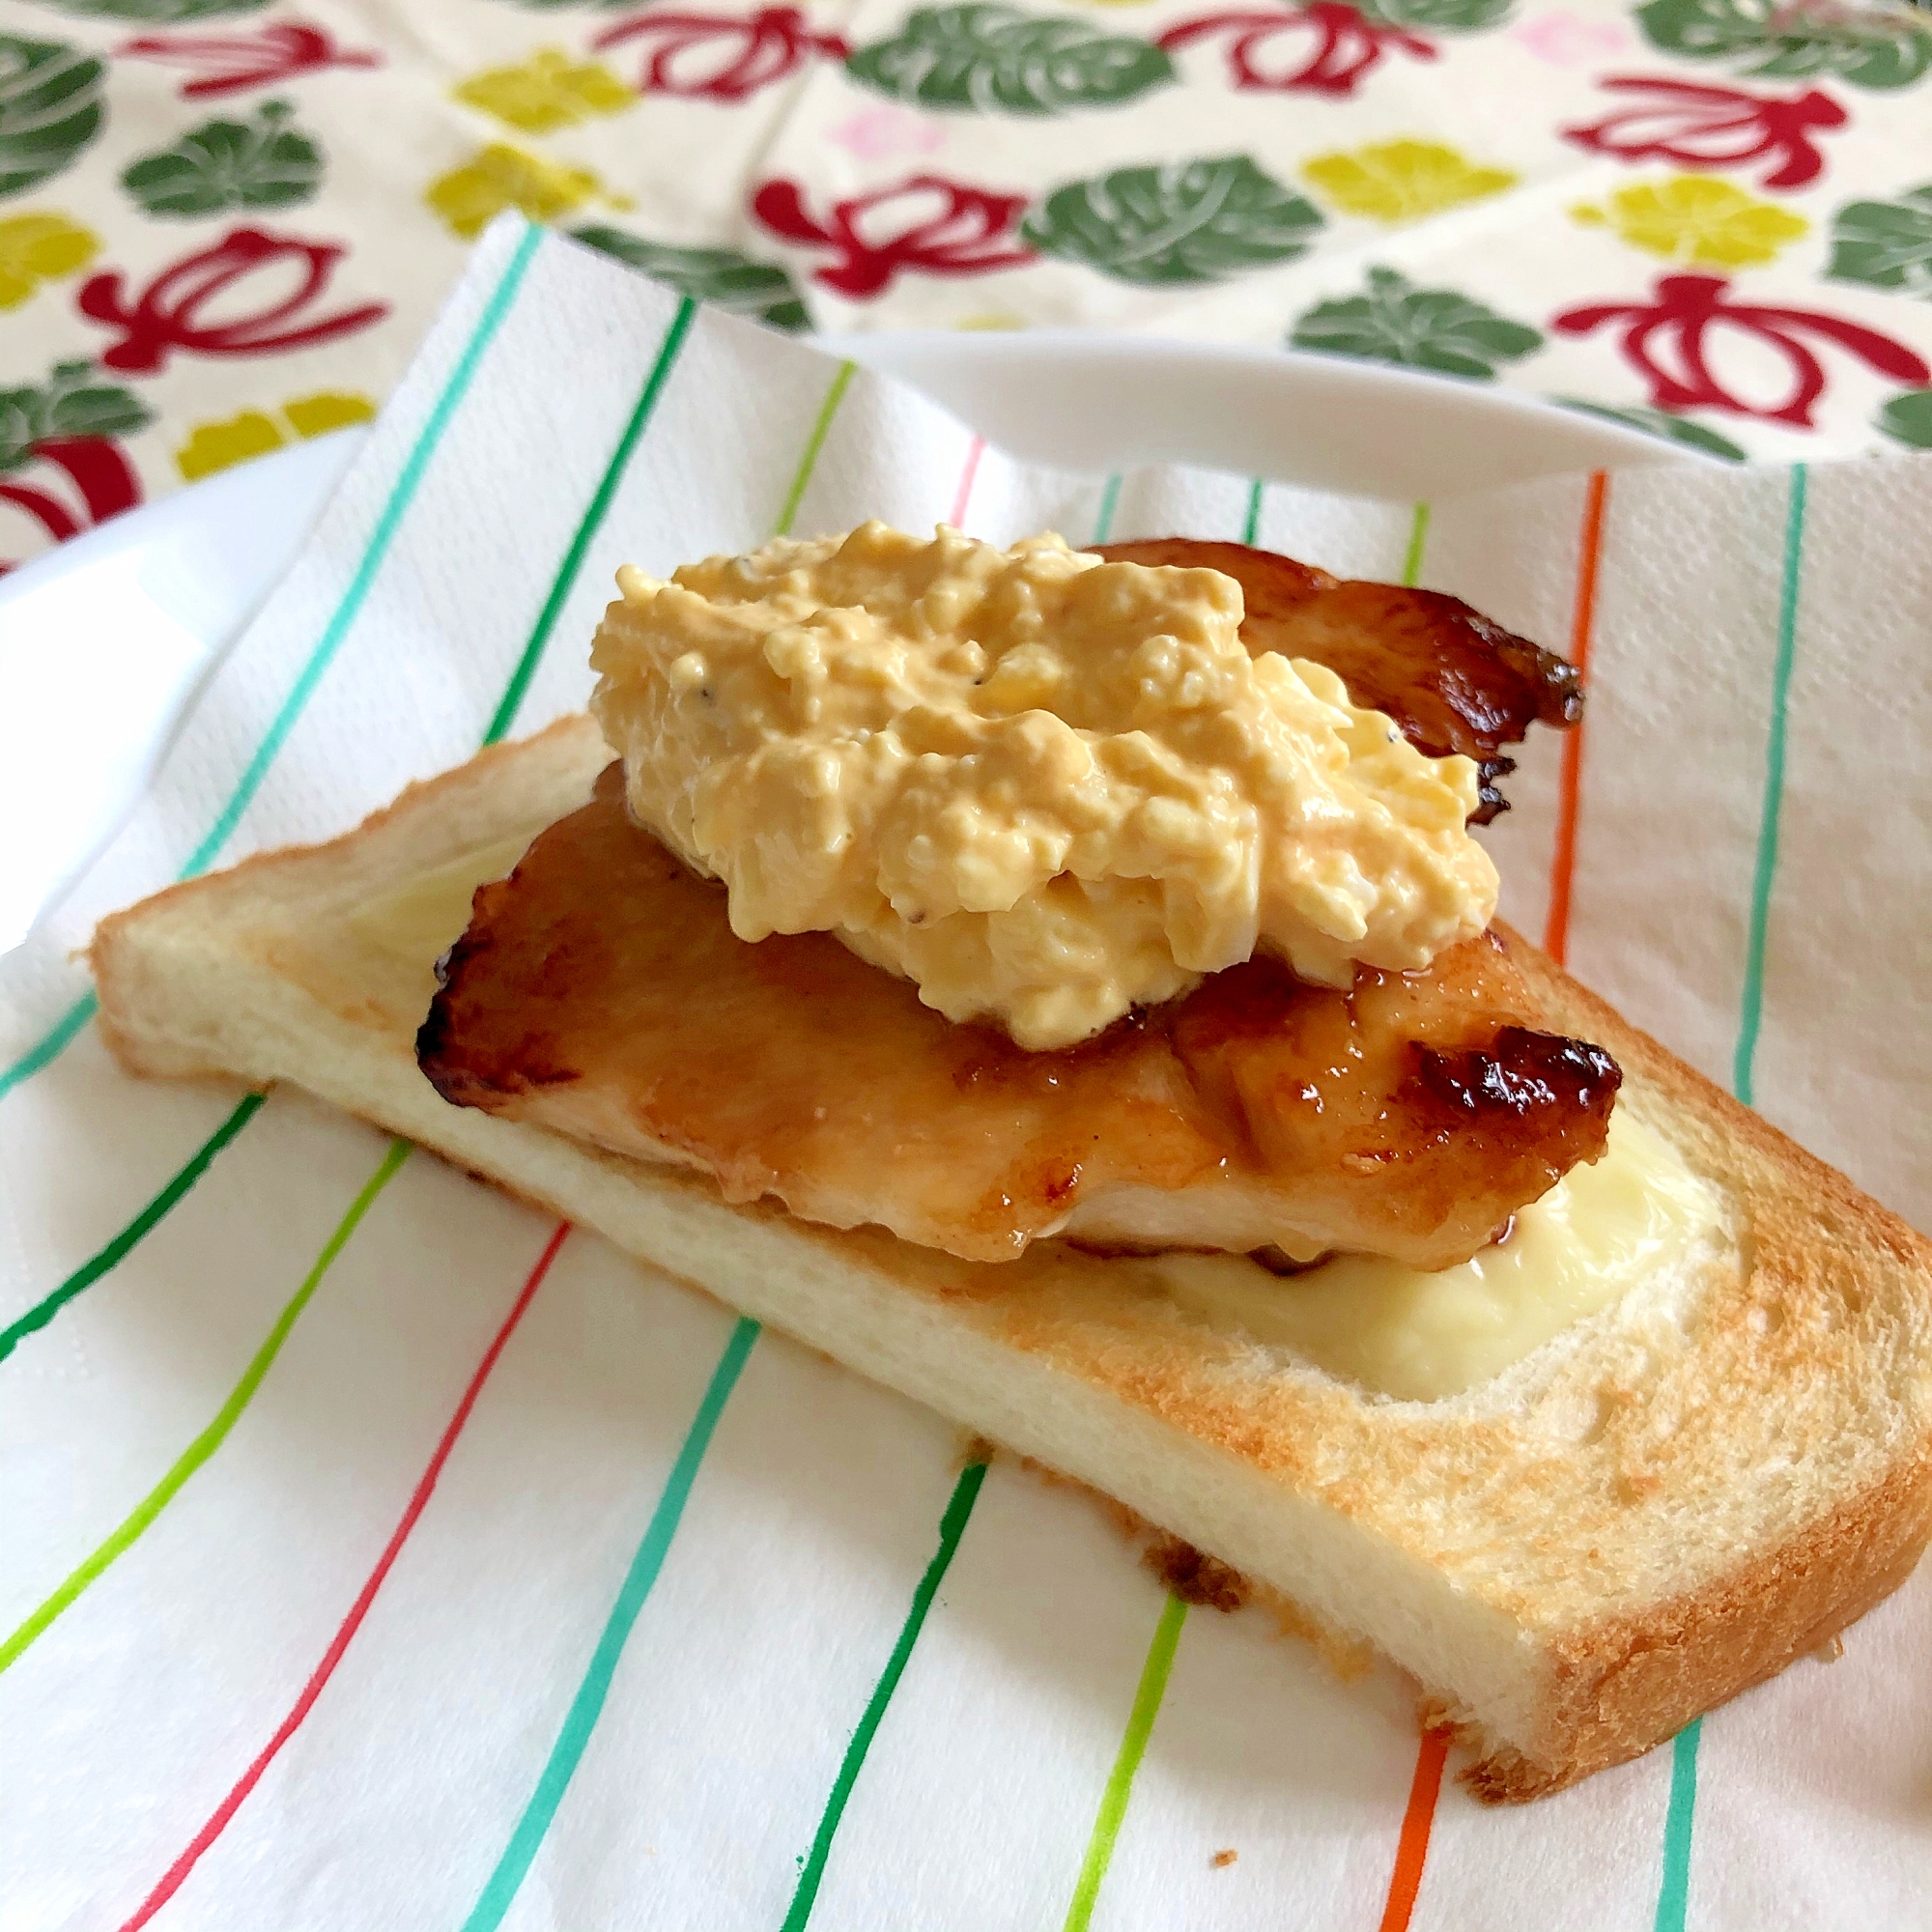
601	992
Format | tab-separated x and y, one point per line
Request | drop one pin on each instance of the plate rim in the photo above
1048	382
892	351
992	348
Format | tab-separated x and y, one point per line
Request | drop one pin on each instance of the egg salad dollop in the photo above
1043	787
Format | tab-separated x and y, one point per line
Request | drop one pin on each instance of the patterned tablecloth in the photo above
224	225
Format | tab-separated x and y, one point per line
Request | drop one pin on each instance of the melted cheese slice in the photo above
1602	1229
421	919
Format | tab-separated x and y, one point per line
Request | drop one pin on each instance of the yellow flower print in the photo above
470	197
548	92
218	445
327	409
1401	181
1695	218
36	248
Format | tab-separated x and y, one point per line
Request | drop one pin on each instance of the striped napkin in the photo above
379	1553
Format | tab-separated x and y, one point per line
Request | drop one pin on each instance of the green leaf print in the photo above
1777	38
758	291
1885	244
69	405
1445	16
983	57
1191	222
1420	328
156	12
49	109
1661	422
259	163
1909	417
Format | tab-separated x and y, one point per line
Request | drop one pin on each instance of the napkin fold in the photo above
379	1554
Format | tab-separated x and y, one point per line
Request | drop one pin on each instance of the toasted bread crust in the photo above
1577	1516
1627	1684
484	785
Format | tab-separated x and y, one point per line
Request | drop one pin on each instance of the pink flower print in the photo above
1571	39
879	133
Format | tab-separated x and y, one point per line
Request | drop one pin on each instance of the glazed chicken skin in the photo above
599	992
1449	678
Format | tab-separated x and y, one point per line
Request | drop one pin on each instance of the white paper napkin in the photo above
370	1559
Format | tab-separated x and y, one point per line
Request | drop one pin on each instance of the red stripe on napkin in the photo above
172	1880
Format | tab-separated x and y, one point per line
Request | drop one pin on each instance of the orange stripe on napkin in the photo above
1411	1849
1556	928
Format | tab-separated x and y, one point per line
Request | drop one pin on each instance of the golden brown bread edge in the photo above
1629	1683
1618	1684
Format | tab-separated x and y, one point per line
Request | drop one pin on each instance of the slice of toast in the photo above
1671	1500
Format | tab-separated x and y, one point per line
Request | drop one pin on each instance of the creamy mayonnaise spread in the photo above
424	916
1639	1214
1043	787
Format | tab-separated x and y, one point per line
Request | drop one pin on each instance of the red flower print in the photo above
1669	341
232	63
60	461
172	312
1322	47
1700	127
721	56
927	224
68	484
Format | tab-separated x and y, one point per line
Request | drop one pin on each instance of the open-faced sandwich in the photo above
1064	987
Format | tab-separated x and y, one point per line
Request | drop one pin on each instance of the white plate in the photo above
103	642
